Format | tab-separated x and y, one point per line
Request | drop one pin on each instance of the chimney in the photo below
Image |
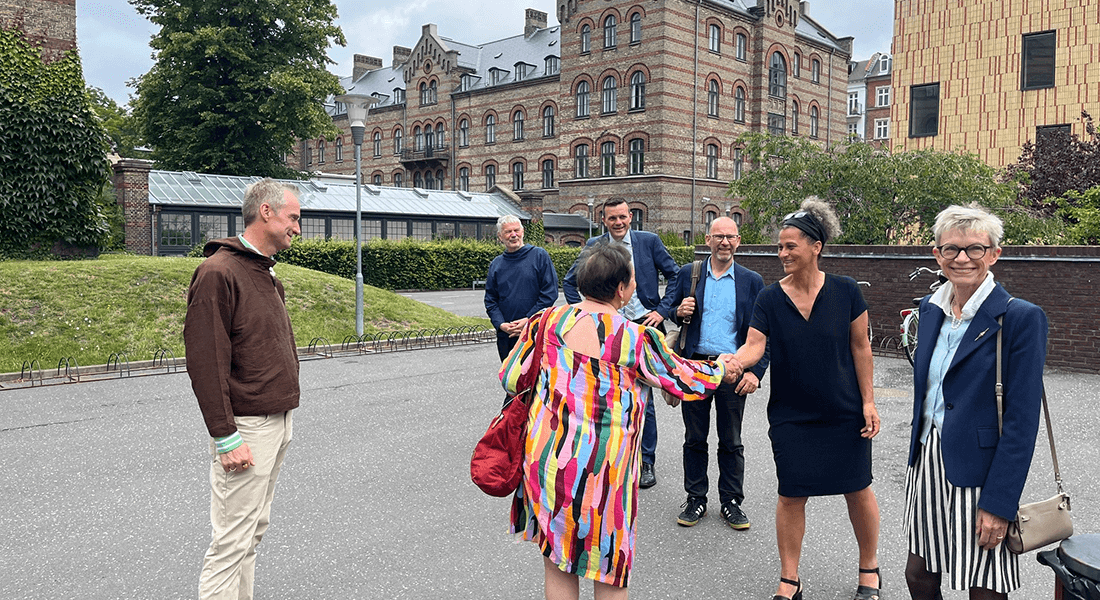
533	21
363	65
401	54
803	8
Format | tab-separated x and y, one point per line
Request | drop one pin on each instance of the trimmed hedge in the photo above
420	265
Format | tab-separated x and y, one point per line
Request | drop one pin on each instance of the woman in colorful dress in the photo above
821	413
579	493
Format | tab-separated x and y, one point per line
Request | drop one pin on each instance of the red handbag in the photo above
497	464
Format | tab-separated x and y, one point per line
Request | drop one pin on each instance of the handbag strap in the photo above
527	380
999	390
696	271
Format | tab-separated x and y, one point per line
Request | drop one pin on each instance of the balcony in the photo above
855	109
437	154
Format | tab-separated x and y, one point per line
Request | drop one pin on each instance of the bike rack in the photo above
161	356
117	358
28	370
72	370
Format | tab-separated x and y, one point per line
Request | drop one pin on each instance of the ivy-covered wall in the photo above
53	155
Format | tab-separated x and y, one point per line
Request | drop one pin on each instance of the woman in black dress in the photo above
822	411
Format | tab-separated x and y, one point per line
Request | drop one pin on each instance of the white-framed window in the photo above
517	125
712	98
813	121
712	161
882	129
815	71
580	160
853	130
715	38
610	25
517	176
339	149
490	129
547	174
586	39
397	141
637	91
582	99
377	145
739	104
741	49
548	122
521	71
635	28
853	103
637	156
398	95
777	76
464	179
464	133
610	95
418	139
796	65
490	176
882	95
607	159
553	65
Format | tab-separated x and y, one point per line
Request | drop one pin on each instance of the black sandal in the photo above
866	592
797	593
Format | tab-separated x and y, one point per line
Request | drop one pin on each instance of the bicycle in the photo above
910	317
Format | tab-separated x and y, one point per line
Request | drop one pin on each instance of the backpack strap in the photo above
696	271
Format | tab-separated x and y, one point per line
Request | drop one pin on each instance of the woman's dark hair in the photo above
601	268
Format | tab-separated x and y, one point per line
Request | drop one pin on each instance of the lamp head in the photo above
358	107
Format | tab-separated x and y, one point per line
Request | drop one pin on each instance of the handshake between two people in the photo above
734	368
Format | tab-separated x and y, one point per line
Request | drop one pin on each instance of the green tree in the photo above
124	131
535	233
881	197
235	83
1082	211
53	154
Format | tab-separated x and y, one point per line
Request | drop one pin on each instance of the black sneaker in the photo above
734	516
694	509
648	478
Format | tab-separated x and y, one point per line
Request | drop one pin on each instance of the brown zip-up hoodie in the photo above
241	355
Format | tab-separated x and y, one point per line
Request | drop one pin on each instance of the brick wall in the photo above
1063	280
131	183
48	24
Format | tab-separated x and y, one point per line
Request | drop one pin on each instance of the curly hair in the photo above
824	214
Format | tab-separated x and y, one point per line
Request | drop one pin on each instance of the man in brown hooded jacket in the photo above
243	365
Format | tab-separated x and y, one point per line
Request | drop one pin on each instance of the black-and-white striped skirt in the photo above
940	519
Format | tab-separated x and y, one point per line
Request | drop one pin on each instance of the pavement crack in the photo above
45	425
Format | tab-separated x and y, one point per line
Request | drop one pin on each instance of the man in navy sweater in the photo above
520	282
648	256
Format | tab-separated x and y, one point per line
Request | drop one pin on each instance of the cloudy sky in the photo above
114	39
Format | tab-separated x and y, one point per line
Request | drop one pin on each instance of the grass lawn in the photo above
89	309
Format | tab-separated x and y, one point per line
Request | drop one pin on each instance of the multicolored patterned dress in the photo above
579	492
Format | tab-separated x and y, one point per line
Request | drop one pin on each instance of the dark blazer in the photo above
650	256
973	455
749	283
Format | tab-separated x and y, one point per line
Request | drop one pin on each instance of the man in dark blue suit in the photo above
720	312
648	256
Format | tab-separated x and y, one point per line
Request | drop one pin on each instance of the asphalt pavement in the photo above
104	491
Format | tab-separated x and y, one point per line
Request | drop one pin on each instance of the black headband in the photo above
808	223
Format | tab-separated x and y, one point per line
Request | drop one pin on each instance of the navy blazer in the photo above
973	454
749	283
650	256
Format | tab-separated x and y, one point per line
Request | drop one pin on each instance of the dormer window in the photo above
496	76
466	82
398	96
553	65
521	71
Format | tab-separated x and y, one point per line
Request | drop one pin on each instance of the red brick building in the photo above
48	24
638	100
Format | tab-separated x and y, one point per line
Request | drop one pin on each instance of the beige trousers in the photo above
240	508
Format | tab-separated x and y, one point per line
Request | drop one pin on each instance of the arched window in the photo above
464	133
738	163
398	179
635	28
547	174
553	65
586	39
637	156
610	94
439	178
517	125
432	93
517	176
637	91
582	99
548	121
429	137
741	50
739	104
794	118
423	94
712	161
397	141
418	180
712	98
607	159
418	139
339	149
709	217
321	151
490	176
580	158
715	38
813	121
490	129
815	71
777	76
429	181
440	136
464	179
796	65
377	144
377	179
609	26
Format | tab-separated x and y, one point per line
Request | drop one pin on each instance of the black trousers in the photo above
729	408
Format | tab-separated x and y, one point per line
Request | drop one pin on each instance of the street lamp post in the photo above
591	214
358	105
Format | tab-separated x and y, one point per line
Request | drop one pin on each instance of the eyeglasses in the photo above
796	214
973	251
725	238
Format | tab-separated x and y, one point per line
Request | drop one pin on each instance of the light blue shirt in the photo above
951	335
632	310
718	323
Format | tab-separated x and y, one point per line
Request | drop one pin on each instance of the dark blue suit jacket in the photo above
650	256
749	283
973	454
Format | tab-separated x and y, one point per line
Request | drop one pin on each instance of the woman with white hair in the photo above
965	476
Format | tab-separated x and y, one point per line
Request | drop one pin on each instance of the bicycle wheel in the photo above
909	335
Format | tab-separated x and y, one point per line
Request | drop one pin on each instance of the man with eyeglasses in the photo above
716	321
648	255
